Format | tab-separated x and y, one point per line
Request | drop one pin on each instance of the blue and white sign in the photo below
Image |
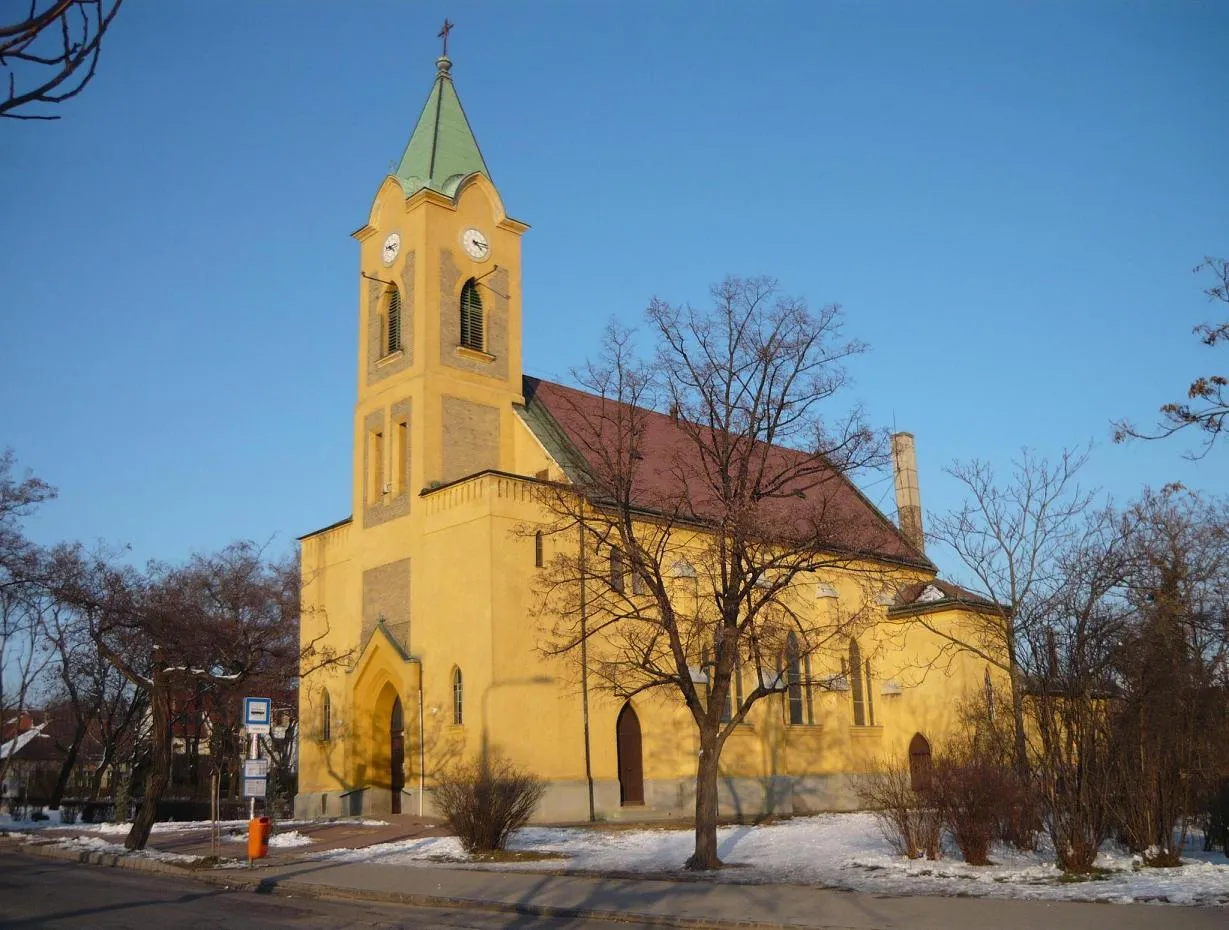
258	714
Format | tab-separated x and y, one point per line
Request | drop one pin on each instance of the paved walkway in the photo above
717	905
325	835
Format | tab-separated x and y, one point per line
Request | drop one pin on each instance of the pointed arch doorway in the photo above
919	762
631	758
396	753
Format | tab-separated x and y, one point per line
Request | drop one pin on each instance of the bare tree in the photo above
100	703
1072	689
51	53
222	619
1206	405
1011	536
698	530
1170	720
24	647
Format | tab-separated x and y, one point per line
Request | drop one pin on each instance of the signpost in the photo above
258	721
258	715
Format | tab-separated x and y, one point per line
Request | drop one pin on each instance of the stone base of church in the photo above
665	799
359	802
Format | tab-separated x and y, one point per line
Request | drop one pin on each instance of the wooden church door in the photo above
631	762
397	755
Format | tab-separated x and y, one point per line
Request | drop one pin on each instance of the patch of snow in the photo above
832	850
98	844
290	840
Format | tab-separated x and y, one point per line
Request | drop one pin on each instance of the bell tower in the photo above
439	360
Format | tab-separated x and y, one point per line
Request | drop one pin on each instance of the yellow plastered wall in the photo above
436	572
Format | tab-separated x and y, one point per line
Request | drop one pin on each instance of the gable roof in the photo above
442	150
568	424
937	593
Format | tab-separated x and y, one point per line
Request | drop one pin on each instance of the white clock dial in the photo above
392	245
476	246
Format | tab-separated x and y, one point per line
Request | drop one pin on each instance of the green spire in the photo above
442	151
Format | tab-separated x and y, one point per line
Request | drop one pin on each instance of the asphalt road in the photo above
46	893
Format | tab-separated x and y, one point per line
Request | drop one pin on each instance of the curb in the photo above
244	880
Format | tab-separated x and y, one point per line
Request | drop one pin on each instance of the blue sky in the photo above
1007	199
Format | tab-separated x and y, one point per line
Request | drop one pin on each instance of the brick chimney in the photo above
908	497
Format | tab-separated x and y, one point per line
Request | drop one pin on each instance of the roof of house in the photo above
572	426
442	150
938	593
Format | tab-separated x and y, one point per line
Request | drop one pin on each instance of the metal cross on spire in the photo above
444	34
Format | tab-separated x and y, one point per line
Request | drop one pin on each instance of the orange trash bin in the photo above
258	837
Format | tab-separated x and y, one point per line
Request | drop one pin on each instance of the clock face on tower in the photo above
475	244
392	245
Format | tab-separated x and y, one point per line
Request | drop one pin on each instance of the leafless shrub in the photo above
988	735
969	794
1215	818
483	802
911	826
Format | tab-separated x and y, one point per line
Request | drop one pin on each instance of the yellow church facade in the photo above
431	590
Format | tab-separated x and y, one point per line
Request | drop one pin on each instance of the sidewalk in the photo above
325	835
672	904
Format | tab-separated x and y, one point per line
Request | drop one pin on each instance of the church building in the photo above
428	590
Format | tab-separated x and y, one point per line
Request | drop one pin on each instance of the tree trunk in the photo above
160	751
1017	713
705	855
70	762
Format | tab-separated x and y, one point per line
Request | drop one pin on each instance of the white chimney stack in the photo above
908	497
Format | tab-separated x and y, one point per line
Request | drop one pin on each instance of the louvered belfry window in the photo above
392	325
472	336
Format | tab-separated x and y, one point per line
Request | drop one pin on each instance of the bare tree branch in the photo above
52	54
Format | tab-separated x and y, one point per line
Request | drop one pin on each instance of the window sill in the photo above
804	726
874	731
474	355
389	358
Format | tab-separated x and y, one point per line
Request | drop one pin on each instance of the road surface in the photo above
44	893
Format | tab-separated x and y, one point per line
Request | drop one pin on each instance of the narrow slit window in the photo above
458	698
807	685
326	717
870	696
377	465
402	471
472	330
793	672
616	570
392	321
855	683
538	558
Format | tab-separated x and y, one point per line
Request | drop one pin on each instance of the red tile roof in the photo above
579	429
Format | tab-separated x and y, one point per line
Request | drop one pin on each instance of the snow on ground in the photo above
834	850
166	827
98	844
290	840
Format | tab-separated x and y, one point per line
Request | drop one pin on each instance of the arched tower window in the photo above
857	684
458	703
472	335
392	320
326	716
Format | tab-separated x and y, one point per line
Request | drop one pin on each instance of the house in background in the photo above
431	584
